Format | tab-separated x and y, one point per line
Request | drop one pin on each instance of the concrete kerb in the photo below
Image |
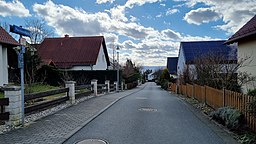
96	115
218	129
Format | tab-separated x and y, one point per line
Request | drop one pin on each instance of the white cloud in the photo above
131	3
133	19
171	11
14	8
201	15
139	41
234	13
104	1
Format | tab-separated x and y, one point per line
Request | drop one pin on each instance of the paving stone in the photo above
56	127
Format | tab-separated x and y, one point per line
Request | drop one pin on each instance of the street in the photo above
149	116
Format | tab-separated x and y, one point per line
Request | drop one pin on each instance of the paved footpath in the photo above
56	128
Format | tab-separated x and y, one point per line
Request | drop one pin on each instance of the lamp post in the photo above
117	51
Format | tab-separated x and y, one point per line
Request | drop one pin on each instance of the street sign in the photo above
19	30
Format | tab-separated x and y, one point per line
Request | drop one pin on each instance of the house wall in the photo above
101	63
246	49
3	66
181	63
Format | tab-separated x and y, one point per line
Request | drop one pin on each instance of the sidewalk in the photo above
56	128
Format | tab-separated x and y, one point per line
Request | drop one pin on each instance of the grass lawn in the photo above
35	88
1	95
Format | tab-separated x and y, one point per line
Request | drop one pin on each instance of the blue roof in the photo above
172	64
193	50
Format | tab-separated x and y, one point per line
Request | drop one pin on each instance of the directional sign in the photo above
19	30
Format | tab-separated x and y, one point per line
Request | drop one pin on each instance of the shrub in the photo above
164	84
252	92
49	75
228	116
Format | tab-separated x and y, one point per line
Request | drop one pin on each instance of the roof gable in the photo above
172	64
193	50
249	29
6	38
72	51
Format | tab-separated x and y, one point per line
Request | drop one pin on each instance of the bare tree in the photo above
219	71
39	30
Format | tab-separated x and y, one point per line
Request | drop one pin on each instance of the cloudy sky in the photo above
148	31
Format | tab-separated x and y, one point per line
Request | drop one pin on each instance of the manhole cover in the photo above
92	141
148	109
141	98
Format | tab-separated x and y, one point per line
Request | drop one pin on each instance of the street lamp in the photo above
117	51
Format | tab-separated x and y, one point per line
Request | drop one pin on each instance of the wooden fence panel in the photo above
183	89
190	90
199	92
173	87
214	97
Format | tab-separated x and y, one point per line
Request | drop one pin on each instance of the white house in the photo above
245	37
75	53
6	42
190	51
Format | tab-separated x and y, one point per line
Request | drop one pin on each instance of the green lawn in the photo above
35	88
1	95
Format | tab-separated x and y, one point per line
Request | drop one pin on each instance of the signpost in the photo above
21	32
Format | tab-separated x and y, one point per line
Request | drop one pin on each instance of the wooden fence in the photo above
4	116
45	103
220	98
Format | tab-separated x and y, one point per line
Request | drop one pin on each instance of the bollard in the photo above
117	88
107	82
71	93
94	87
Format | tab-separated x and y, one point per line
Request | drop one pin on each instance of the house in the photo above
7	42
75	53
245	37
172	66
189	53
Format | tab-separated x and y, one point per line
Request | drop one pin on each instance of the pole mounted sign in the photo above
19	30
22	32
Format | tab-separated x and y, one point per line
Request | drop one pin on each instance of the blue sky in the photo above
148	31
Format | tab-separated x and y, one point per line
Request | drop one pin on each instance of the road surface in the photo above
150	116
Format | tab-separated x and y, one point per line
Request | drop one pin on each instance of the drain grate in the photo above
92	141
147	109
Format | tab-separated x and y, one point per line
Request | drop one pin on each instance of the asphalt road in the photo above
150	116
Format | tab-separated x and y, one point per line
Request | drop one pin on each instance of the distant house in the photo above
190	51
172	66
75	53
6	42
245	37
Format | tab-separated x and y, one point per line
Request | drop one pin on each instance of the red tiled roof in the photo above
249	29
71	51
6	38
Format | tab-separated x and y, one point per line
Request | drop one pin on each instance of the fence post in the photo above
94	88
107	82
117	88
122	86
224	97
125	86
14	108
193	91
71	93
205	101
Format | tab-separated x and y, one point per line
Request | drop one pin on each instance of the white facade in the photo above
248	49
101	63
181	63
3	66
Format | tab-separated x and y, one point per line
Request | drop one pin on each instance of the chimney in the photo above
66	36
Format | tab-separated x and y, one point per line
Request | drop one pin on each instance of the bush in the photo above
230	117
164	84
252	92
49	75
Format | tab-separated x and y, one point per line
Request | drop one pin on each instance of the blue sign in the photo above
20	61
20	30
